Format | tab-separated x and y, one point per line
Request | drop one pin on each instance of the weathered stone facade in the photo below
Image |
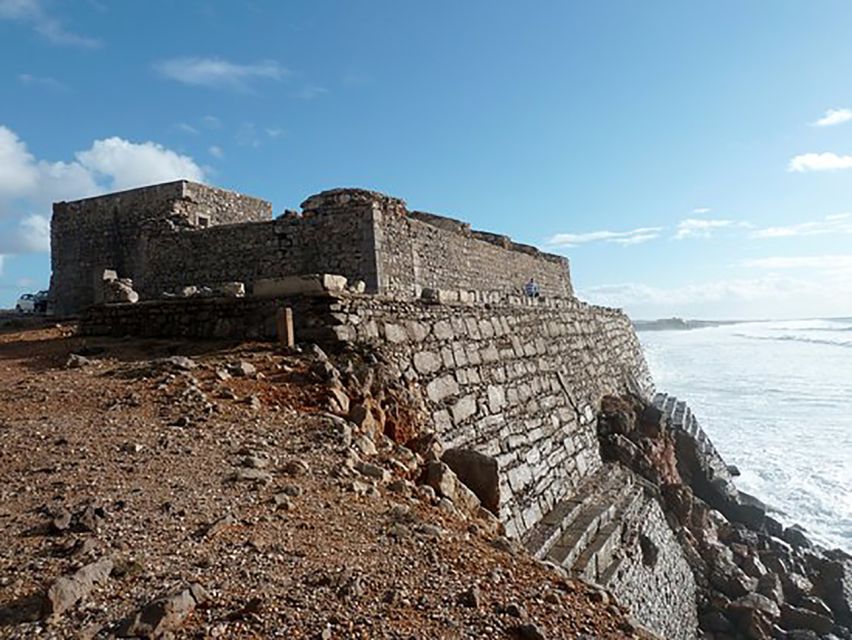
517	381
180	234
91	235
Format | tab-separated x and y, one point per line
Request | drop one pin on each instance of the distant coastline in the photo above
679	324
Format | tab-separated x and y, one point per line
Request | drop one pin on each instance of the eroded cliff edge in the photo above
545	409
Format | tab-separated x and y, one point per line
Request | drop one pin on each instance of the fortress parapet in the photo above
168	236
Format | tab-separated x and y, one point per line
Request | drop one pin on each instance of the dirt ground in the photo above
181	472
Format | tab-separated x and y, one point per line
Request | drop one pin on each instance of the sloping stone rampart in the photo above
517	382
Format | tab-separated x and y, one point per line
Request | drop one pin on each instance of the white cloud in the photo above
29	185
715	292
311	91
833	117
634	236
819	162
247	135
219	73
126	164
701	210
701	228
186	128
42	82
32	12
18	171
838	223
216	151
211	122
29	235
823	263
823	293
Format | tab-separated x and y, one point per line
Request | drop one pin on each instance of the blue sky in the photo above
689	158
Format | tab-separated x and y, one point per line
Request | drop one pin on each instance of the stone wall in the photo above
209	318
518	382
90	235
652	578
420	251
181	233
290	245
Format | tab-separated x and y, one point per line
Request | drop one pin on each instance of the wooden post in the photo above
284	327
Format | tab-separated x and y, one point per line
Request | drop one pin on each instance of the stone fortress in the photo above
518	382
169	235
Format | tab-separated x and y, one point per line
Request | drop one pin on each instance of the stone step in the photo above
637	513
551	527
601	552
595	513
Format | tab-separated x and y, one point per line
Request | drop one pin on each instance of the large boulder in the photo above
834	585
163	615
478	472
119	290
754	602
69	590
798	618
441	478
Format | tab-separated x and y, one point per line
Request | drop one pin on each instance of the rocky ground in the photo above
164	489
757	580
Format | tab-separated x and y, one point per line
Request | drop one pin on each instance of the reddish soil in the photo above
152	451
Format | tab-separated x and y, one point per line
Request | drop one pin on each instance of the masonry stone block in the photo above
443	330
416	330
464	409
426	362
496	398
477	471
447	357
395	333
441	388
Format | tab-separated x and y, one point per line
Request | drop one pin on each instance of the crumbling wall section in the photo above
221	206
104	232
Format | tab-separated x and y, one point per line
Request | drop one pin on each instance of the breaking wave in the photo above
775	398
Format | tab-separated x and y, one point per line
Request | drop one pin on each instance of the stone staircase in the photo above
584	533
681	419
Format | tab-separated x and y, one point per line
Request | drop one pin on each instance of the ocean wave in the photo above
792	338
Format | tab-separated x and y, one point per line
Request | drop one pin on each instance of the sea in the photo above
776	400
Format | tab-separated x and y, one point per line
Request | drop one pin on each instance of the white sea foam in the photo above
776	399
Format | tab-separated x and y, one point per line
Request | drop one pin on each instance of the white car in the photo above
32	303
